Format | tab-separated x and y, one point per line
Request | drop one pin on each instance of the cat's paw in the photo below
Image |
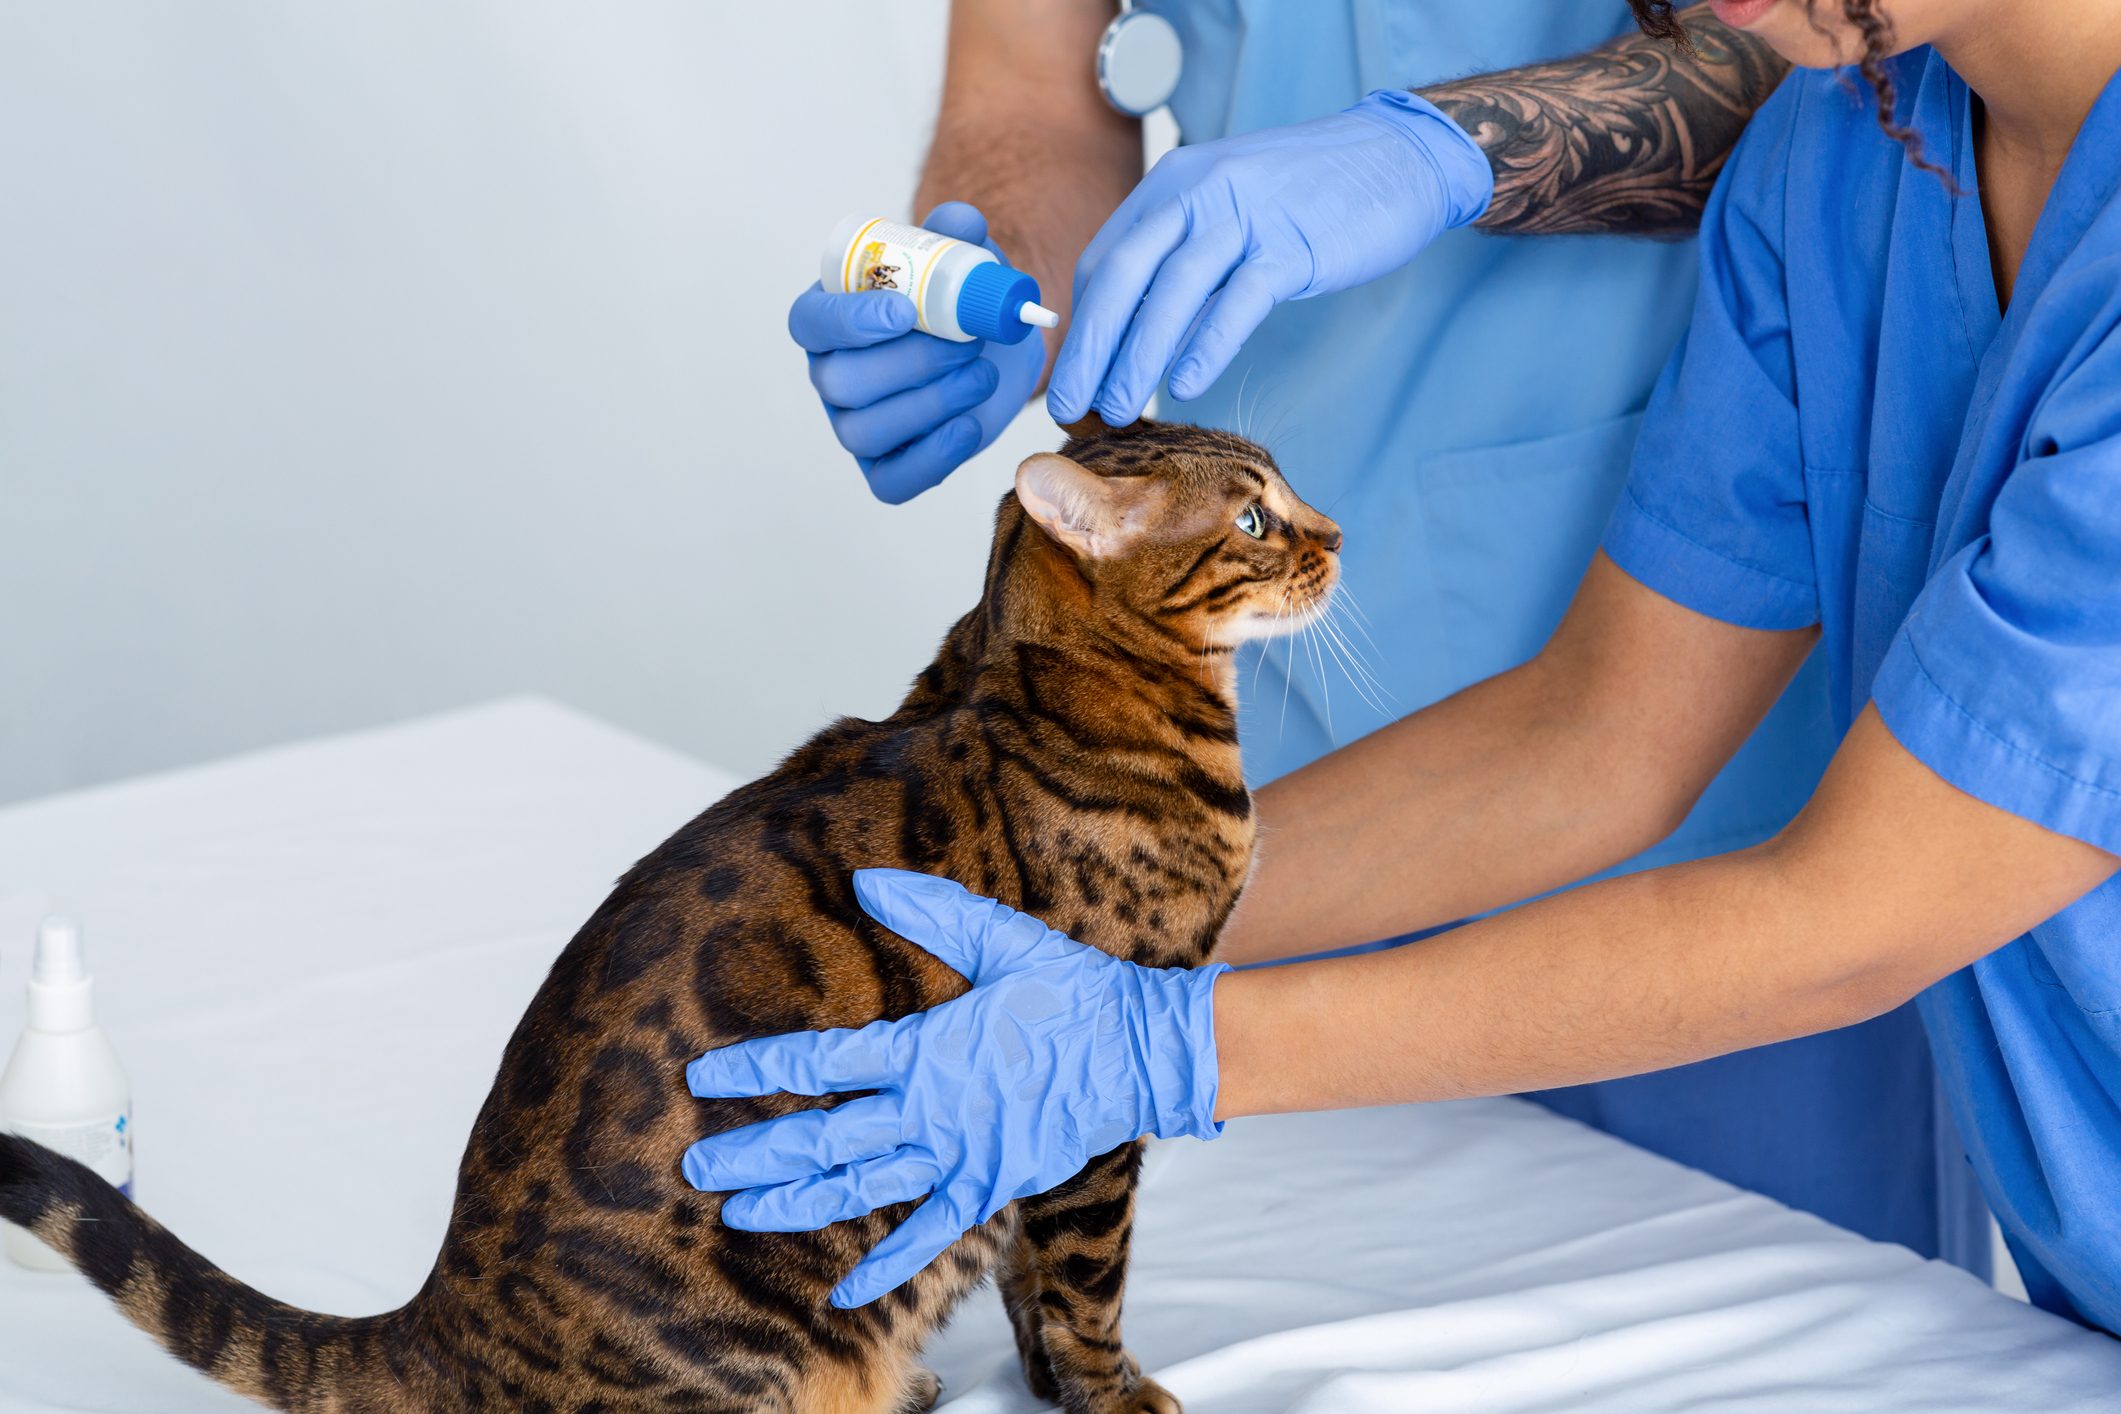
1147	1397
1141	1396
924	1390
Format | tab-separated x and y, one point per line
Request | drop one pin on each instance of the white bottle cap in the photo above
58	961
59	984
1038	315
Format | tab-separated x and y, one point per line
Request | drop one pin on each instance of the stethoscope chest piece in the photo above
1138	62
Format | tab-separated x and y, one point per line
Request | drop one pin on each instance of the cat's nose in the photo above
1330	538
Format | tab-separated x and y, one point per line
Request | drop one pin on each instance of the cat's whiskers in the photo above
1288	669
1356	615
1272	440
1358	666
1259	661
1318	664
1361	624
1359	675
1333	505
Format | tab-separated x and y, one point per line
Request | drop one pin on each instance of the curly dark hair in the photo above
1660	19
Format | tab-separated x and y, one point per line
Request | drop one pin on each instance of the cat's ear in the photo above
1098	517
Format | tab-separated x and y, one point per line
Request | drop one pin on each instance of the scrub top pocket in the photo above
1511	530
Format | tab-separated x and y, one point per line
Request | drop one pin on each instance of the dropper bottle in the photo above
961	291
63	1086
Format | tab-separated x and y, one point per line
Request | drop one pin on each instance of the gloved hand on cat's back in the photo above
1058	1054
1220	232
909	406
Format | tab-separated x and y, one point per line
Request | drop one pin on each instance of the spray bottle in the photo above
961	290
63	1087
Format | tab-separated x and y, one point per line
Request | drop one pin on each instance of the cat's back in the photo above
572	1219
741	924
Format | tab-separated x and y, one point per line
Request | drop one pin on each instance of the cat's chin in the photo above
1253	626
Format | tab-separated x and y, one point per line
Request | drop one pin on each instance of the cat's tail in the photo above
274	1353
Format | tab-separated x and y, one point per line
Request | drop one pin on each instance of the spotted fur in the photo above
1072	751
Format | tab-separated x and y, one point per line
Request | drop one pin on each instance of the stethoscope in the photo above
1138	61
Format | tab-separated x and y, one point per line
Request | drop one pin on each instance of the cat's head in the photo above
1191	528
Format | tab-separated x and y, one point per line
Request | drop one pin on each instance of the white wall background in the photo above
363	359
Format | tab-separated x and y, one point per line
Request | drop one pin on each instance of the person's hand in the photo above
1218	234
912	408
1058	1054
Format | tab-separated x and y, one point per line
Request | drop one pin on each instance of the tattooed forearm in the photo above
1626	139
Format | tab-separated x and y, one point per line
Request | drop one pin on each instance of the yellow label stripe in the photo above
847	267
920	293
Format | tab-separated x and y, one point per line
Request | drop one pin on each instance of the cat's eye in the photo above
1253	521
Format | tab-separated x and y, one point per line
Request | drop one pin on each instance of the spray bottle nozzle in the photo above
58	961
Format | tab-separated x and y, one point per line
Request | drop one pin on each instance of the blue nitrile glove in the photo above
912	408
1058	1054
1280	214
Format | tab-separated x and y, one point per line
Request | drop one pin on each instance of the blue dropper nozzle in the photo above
1001	304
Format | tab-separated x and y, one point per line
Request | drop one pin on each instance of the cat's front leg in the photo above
1062	1280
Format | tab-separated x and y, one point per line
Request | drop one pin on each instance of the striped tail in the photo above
274	1353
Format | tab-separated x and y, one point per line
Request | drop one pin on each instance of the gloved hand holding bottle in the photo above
1058	1054
909	406
1221	232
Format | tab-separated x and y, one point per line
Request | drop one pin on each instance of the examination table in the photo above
310	959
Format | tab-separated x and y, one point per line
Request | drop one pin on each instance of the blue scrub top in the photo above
1854	436
1469	421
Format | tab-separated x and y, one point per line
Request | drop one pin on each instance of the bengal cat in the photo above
1072	751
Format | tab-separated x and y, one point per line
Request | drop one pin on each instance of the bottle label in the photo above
105	1145
885	255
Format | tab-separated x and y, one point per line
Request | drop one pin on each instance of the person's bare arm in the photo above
1889	880
1627	138
1586	755
1024	134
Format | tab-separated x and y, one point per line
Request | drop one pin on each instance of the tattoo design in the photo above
1626	139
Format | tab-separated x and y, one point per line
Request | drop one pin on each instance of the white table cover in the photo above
311	957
